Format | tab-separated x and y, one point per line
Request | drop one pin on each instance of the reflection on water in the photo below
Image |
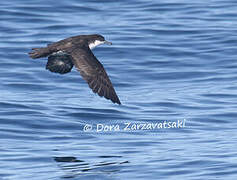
74	167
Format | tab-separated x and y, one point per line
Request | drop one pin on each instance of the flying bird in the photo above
76	51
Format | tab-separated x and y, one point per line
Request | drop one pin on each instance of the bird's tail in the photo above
39	52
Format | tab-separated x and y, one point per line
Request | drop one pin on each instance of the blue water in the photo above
171	61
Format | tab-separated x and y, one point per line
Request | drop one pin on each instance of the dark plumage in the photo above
59	63
62	55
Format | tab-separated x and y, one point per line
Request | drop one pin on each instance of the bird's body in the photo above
62	55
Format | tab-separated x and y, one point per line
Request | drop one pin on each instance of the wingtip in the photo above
116	101
119	103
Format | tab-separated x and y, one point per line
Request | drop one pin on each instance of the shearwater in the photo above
76	50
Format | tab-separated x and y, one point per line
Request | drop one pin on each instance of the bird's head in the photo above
96	40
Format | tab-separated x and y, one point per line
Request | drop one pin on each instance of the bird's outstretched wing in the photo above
93	73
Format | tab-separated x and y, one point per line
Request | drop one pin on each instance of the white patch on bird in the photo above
59	53
60	63
95	43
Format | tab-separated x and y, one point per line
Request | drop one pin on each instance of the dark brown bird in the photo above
62	55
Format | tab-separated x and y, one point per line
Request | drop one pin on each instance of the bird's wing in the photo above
94	73
59	63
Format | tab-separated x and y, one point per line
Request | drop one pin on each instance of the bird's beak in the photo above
107	42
